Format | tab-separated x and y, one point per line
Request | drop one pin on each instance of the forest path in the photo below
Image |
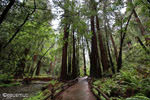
79	91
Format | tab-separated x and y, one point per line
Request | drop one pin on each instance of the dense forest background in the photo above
108	40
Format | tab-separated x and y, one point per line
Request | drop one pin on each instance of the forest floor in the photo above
79	91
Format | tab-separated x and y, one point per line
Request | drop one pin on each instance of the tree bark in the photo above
78	57
74	67
113	42
40	59
108	48
54	65
84	60
21	65
115	48
88	47
95	70
33	64
38	68
6	10
111	61
50	67
69	62
64	54
103	51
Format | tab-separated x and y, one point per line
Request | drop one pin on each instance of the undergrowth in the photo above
133	80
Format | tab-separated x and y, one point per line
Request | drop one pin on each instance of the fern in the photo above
138	98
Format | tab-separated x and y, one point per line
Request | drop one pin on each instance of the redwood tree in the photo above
74	67
95	70
64	53
84	60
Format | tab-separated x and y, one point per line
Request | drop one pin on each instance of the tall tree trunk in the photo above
78	57
54	65
34	57
123	35
114	46
40	59
6	10
119	63
74	67
38	68
108	48
21	65
88	47
33	64
69	63
50	67
84	60
95	70
64	54
103	51
113	42
111	61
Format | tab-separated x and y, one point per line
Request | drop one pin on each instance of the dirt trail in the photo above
79	91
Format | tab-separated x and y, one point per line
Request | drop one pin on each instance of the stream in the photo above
20	92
